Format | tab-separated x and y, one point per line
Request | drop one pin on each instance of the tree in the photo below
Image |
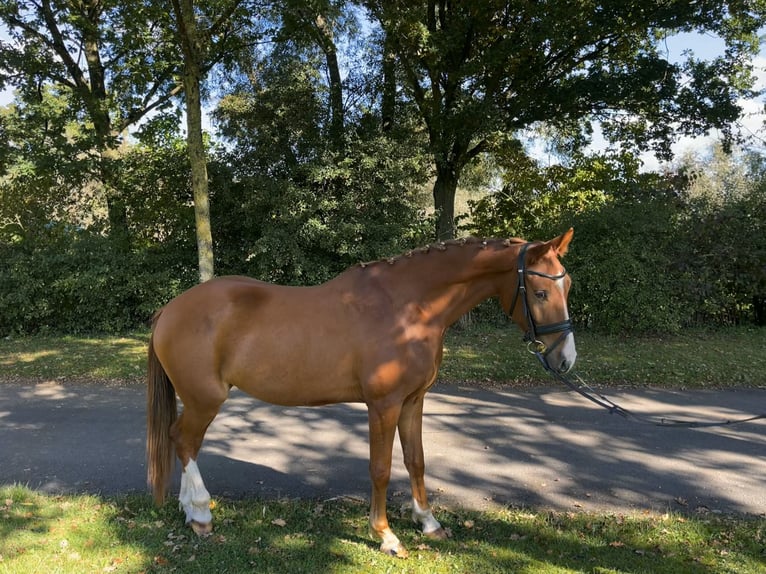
293	209
316	24
112	61
208	33
479	72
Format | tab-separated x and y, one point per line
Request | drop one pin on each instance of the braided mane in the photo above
443	246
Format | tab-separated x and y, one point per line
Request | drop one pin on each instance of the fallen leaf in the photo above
281	522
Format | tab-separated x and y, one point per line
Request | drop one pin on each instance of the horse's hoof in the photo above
398	551
202	529
438	534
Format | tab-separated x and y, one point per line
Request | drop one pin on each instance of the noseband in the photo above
535	346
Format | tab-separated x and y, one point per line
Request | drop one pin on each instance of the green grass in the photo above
694	359
90	534
79	358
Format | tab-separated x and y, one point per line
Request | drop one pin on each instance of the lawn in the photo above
88	534
731	357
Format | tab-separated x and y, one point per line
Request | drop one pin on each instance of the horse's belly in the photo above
296	379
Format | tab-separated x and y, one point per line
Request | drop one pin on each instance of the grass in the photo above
694	359
74	358
90	534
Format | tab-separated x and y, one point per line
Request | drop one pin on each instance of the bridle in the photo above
534	344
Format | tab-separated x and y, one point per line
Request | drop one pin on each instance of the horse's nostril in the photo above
565	366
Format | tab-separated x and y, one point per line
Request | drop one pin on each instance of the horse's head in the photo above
539	302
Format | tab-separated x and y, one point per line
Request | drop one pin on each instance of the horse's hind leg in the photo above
187	434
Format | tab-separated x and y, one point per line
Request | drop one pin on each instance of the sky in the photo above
704	47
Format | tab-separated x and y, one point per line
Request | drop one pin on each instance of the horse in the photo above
373	334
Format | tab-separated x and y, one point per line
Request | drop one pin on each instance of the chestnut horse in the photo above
373	334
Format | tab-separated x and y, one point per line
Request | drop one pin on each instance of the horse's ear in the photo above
561	243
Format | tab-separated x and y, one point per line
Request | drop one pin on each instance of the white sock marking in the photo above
424	517
194	498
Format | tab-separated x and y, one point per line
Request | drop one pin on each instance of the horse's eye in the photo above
541	295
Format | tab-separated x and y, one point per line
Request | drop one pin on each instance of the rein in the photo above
581	387
575	382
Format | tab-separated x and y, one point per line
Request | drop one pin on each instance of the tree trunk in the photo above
445	187
196	149
187	31
388	100
327	45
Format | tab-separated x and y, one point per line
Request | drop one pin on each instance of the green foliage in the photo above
649	254
73	280
59	273
46	168
624	268
726	248
305	231
290	208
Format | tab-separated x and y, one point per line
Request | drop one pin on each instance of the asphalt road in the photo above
545	448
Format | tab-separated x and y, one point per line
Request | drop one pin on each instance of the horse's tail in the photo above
161	413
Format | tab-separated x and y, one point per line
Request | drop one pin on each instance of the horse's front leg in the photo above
382	422
411	436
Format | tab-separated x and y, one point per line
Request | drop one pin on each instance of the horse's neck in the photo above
448	284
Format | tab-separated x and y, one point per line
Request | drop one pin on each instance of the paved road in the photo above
543	448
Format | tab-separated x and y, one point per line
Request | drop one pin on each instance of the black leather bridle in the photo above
534	344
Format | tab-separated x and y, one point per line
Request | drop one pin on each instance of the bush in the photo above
624	267
74	281
331	214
